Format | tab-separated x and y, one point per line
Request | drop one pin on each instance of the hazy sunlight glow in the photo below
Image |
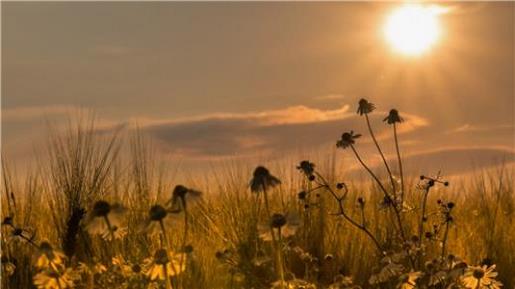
412	29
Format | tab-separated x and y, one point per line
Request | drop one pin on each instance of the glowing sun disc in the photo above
413	29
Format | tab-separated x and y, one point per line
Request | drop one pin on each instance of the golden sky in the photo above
215	80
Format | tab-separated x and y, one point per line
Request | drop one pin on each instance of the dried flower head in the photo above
157	214
287	224
262	180
365	107
393	117
347	139
307	167
278	220
104	217
181	196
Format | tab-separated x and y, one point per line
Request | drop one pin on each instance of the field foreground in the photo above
89	218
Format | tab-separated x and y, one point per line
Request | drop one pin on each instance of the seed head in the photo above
101	209
347	139
307	167
393	117
262	179
161	257
136	268
8	221
478	273
157	213
365	107
180	191
278	220
45	247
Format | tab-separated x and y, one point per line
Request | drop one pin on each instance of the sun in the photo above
413	29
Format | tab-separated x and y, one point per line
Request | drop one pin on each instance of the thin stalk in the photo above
400	161
280	258
167	245
380	152
185	234
167	278
349	219
394	205
109	227
278	263
445	236
422	219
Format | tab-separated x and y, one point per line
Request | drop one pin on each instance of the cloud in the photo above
331	96
27	113
457	160
480	128
266	132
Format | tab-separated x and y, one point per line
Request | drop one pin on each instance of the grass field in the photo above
102	212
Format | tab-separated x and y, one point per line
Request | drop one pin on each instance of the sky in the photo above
213	81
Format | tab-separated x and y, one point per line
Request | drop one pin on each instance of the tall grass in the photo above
84	166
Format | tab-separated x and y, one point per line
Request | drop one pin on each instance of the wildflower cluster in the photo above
411	257
108	222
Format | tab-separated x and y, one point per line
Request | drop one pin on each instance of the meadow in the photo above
101	211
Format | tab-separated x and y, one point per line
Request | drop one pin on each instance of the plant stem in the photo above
444	241
167	278
278	263
168	246
422	219
381	153
394	205
349	219
400	161
109	227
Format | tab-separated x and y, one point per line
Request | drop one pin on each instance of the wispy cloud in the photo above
477	128
331	96
27	113
247	134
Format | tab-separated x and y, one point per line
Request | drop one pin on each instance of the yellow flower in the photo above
408	281
97	268
481	277
49	258
127	269
164	264
55	279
